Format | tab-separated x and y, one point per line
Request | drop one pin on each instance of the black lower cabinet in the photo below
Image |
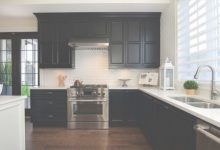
166	127
49	107
123	108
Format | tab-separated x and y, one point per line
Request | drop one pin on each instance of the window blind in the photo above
198	43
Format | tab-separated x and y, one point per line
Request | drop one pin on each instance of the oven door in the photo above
88	111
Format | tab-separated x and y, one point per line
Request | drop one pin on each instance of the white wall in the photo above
18	25
91	66
168	32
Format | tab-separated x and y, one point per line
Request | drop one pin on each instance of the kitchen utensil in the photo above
78	83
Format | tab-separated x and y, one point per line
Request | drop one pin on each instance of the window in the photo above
198	37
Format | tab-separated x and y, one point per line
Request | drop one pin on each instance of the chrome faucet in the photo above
214	92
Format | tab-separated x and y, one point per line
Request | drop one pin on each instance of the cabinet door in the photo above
64	55
133	53
184	135
47	47
152	30
132	107
152	54
116	54
46	32
117	31
133	31
117	108
46	50
163	128
152	43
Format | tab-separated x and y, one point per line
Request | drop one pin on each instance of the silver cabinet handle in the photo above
207	134
50	116
49	92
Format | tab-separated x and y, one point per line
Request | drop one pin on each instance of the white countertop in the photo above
49	88
11	99
210	115
123	88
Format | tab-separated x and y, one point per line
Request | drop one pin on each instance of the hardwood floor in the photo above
65	139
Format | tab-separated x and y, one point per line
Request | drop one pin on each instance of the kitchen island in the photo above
12	127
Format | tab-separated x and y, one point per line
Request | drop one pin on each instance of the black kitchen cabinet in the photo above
134	38
54	51
123	109
151	51
125	44
116	47
166	127
89	28
135	43
49	107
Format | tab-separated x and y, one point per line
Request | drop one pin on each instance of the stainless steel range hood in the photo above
89	43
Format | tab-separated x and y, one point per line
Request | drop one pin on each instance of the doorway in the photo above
19	64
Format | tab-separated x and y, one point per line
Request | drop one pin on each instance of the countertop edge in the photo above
11	99
196	112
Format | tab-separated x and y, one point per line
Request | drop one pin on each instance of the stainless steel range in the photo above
88	107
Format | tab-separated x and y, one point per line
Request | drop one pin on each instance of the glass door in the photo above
19	64
6	66
29	67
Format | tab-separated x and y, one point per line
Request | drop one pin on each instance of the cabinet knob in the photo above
50	116
50	102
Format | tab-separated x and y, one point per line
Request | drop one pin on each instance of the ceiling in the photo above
24	9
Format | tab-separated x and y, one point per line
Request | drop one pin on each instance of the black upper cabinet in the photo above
152	30
134	37
151	51
54	51
133	43
139	39
133	31
89	29
116	48
116	54
117	31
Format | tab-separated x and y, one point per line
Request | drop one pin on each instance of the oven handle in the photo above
74	100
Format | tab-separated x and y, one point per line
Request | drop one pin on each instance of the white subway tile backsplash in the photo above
91	66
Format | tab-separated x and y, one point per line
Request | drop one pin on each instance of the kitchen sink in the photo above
195	102
204	105
186	99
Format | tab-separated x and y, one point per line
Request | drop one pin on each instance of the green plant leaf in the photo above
190	84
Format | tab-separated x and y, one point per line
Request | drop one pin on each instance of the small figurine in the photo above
61	80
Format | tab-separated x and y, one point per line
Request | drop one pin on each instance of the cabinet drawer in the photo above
49	116
49	93
48	105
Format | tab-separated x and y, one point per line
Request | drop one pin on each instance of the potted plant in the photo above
191	86
8	78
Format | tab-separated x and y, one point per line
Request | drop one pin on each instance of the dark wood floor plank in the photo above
65	139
